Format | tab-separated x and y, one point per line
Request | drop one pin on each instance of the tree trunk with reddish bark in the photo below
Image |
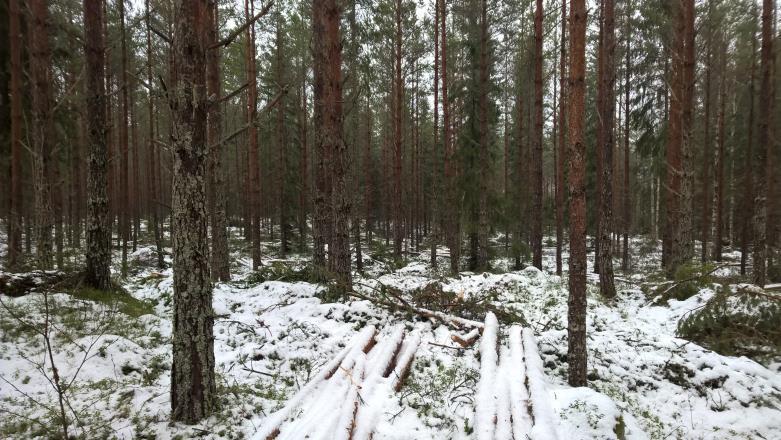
16	207
607	83
562	139
41	133
327	51
220	264
536	159
760	169
576	305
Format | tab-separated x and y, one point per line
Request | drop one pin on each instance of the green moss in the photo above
620	428
688	280
124	302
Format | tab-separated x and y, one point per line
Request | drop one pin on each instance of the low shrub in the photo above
743	323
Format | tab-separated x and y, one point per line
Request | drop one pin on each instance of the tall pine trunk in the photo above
678	188
327	48
606	283
485	140
576	304
15	91
451	216
766	96
41	129
536	159
627	217
254	181
562	139
220	264
98	256
193	387
718	239
124	188
398	96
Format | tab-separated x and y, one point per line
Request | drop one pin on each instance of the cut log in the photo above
466	340
485	411
20	284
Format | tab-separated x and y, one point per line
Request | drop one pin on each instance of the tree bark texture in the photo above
98	256
220	264
576	311
193	388
766	96
606	283
41	129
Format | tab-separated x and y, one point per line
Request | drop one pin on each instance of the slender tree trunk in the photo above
627	206
451	221
124	188
398	96
562	140
600	104
220	264
15	91
748	181
98	256
766	96
706	162
536	158
322	208
434	200
369	181
40	80
253	165
304	167
193	387
281	138
678	194
153	160
327	48
718	239
484	138
606	283
576	314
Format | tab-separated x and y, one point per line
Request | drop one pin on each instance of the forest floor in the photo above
274	333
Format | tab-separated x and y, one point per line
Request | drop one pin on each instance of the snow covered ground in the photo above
273	337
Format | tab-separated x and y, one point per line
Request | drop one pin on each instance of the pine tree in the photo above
41	132
562	139
576	305
220	264
536	157
327	52
763	151
98	255
16	207
607	85
193	387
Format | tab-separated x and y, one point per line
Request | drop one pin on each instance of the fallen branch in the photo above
20	284
450	320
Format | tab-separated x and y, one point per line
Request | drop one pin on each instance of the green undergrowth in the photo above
122	301
688	280
431	383
432	296
282	271
743	323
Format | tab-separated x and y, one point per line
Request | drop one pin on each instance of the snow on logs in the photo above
512	397
346	398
